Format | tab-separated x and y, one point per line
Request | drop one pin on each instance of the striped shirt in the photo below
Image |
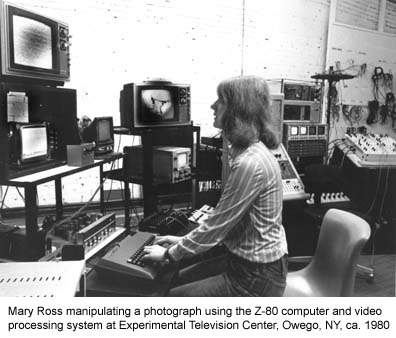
248	216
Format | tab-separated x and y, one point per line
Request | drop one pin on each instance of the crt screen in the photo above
104	132
303	130
32	43
33	142
294	131
182	160
157	105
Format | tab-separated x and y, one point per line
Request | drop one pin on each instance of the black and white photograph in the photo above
212	148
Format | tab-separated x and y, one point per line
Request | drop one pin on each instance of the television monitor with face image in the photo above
155	104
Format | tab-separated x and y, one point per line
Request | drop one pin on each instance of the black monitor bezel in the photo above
20	149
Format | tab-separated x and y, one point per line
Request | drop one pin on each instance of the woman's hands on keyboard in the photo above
153	254
156	253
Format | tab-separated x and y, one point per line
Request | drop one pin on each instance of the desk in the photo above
30	183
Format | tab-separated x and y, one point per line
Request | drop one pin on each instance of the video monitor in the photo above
104	130
33	141
33	47
157	105
321	130
303	130
293	130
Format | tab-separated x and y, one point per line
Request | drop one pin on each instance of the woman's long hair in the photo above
247	118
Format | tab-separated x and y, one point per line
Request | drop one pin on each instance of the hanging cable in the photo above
243	36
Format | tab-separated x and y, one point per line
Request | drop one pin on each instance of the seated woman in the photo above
248	216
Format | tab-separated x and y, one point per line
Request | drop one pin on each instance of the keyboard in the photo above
165	222
125	258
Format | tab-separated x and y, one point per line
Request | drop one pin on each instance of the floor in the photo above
383	284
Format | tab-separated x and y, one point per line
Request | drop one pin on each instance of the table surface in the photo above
61	171
40	279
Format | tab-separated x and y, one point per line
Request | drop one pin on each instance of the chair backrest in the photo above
341	239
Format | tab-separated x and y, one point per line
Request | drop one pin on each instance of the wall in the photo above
287	39
360	37
197	42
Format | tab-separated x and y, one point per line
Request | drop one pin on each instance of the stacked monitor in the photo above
34	62
30	144
33	47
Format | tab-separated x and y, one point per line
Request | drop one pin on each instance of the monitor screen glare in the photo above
157	104
104	132
33	142
294	131
32	43
182	160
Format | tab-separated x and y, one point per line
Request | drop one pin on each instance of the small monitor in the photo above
33	142
104	130
321	130
303	130
103	135
312	130
293	130
100	131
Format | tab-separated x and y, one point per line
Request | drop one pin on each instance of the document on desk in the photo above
41	279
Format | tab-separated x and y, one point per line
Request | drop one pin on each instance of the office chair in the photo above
331	272
326	184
